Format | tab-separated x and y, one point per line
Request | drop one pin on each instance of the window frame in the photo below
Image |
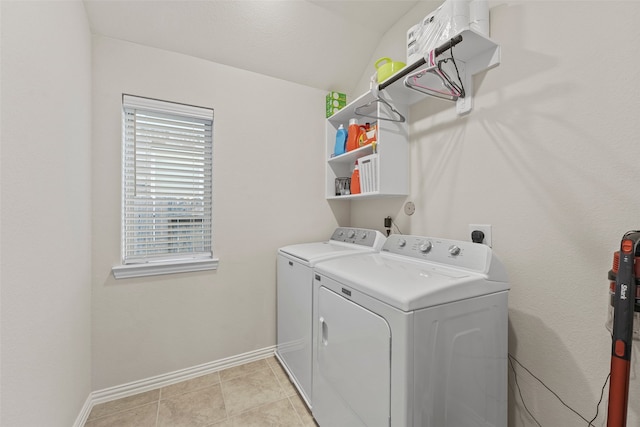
167	264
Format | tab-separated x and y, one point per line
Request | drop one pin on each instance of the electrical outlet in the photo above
486	229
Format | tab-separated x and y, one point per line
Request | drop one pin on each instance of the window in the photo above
166	188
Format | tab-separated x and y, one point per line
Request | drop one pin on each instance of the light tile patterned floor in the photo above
255	394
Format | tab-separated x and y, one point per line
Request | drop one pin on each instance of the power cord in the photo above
388	223
599	401
515	377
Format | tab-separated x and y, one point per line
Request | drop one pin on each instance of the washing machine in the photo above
295	292
415	335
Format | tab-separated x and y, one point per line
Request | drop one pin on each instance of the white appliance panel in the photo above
294	294
353	364
461	363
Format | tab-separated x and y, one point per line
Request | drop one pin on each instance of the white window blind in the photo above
167	185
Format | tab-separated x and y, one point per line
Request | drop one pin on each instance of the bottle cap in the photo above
353	122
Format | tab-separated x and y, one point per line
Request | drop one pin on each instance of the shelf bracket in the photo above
481	62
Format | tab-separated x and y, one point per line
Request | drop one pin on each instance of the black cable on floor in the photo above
515	377
600	401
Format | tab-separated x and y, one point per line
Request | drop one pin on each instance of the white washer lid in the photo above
407	284
311	253
344	241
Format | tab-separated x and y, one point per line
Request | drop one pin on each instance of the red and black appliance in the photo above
625	282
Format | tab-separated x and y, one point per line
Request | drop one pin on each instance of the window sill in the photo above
168	267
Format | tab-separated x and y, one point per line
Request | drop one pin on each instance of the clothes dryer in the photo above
415	335
294	296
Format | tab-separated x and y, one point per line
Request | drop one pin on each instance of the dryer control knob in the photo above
364	235
425	247
351	234
454	250
402	243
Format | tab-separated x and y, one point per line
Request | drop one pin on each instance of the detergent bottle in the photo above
341	140
364	131
355	180
353	134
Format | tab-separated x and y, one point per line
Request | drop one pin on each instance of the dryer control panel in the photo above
453	253
359	236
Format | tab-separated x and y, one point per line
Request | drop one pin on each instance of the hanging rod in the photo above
405	71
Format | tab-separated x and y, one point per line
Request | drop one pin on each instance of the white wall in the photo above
549	157
46	219
268	192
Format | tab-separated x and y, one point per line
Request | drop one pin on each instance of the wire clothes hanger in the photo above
442	86
378	99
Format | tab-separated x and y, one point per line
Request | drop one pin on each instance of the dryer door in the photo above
351	384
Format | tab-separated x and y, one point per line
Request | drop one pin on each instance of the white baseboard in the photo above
152	383
84	412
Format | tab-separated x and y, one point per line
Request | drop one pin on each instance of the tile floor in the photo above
254	394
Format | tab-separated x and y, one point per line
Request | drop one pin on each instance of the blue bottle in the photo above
341	141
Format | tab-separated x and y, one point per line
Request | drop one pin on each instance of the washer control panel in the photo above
359	236
455	253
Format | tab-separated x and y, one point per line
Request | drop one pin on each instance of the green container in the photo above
386	68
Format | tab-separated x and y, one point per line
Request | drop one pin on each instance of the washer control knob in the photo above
402	243
341	233
364	235
454	250
351	234
425	247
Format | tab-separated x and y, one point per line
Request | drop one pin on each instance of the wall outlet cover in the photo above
409	208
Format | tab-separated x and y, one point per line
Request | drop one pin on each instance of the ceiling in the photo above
325	44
